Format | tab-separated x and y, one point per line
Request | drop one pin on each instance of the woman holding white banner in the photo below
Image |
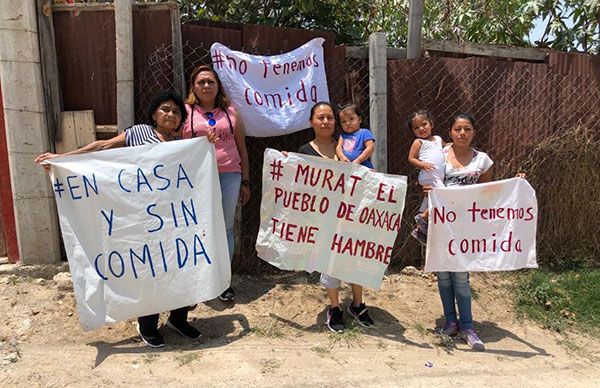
322	120
463	166
209	112
165	115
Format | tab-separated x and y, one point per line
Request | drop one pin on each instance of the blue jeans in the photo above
454	286
230	194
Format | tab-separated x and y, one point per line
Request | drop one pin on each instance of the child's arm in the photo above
413	157
339	151
367	152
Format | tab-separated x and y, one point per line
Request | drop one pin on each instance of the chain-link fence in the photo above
348	80
515	106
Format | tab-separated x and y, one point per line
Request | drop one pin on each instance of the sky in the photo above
540	26
538	31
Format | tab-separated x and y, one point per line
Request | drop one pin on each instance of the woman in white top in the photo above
463	166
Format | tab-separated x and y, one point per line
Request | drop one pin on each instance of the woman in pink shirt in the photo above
209	111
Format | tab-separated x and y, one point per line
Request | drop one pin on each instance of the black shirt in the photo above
308	149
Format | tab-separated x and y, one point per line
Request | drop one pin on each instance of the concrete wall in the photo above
378	98
124	42
26	132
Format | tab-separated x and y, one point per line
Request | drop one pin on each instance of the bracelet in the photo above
246	183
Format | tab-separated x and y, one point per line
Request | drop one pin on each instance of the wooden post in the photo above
378	98
178	71
49	64
124	43
415	26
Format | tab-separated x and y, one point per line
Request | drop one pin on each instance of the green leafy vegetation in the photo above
568	24
561	300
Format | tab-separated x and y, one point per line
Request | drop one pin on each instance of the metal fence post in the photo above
378	98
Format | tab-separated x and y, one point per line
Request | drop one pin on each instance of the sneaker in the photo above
472	339
421	222
185	329
361	315
228	295
450	328
335	322
419	236
154	339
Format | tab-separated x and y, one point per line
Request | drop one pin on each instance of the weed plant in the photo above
561	300
270	330
350	336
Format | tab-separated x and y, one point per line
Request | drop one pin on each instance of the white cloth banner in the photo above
273	94
143	229
484	227
336	218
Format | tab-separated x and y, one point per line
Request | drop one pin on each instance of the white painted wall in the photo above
26	132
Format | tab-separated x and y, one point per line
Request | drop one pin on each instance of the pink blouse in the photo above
228	156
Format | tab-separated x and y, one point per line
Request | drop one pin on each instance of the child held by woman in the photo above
355	144
425	154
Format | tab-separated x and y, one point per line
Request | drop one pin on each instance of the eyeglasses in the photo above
211	121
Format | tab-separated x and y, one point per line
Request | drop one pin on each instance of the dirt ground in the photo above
274	335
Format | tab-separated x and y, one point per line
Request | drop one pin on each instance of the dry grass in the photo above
564	169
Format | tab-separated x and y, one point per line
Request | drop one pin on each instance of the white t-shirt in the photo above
468	174
431	152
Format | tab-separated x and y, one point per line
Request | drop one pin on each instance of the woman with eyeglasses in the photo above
210	113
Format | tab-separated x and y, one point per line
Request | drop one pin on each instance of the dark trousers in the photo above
149	323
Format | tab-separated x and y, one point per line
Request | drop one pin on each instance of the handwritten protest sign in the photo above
143	229
485	227
336	218
273	94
